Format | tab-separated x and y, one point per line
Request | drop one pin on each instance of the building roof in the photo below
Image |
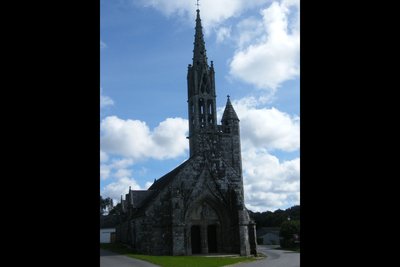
166	179
159	185
137	197
229	112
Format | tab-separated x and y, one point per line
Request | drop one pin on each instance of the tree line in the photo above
287	220
276	218
106	205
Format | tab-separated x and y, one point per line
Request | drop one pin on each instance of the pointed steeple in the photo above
201	93
229	112
199	52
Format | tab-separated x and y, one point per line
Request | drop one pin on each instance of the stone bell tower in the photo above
201	92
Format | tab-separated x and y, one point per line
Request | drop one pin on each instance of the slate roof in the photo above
229	112
158	185
166	179
138	196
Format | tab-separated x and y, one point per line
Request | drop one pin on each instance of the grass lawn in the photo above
178	261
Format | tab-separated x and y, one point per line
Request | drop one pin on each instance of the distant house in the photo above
268	236
107	235
107	228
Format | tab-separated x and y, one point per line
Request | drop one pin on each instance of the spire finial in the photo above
228	96
199	52
197	4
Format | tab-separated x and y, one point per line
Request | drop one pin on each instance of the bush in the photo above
290	234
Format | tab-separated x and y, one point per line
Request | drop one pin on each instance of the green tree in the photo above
117	210
106	204
294	212
276	218
290	233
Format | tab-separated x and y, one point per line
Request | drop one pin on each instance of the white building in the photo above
268	236
107	235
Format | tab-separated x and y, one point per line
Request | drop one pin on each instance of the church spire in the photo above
229	113
201	93
199	52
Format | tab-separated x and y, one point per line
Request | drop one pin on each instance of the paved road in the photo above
109	259
275	258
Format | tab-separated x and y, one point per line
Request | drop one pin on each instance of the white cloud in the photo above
105	171
270	184
120	173
133	138
103	156
223	33
105	100
213	12
270	128
102	44
270	56
121	163
267	128
116	169
120	187
250	29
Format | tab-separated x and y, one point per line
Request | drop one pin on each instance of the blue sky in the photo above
145	48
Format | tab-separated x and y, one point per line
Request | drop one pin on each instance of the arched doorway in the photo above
205	229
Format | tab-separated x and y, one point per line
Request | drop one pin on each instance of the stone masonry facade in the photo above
197	208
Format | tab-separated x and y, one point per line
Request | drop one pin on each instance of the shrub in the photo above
290	234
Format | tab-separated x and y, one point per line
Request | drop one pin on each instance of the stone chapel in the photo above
197	208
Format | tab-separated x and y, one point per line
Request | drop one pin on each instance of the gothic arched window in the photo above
210	107
201	106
